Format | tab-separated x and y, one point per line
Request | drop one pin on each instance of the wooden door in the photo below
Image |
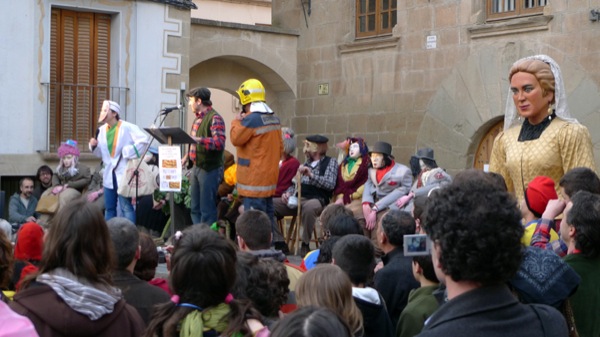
484	150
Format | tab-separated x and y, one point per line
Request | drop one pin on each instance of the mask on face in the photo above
310	149
354	150
377	160
104	111
67	161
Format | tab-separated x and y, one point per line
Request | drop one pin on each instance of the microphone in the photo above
96	138
171	108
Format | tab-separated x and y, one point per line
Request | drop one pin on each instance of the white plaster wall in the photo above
21	109
139	62
247	13
153	62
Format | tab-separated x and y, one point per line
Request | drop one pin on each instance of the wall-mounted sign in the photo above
431	42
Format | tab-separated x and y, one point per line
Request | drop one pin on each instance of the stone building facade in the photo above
439	79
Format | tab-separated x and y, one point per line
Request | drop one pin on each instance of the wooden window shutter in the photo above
54	88
102	65
80	58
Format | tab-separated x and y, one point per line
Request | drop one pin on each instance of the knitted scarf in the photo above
197	322
348	187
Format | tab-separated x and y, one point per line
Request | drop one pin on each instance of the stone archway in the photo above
223	55
227	73
473	97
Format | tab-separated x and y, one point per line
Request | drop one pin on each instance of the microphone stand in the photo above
136	172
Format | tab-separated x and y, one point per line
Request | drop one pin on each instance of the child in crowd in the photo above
203	301
328	286
311	322
421	301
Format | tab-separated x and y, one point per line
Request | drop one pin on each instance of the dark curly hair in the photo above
476	228
264	281
584	216
270	290
396	224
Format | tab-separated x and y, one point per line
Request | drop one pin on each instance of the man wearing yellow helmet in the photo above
256	134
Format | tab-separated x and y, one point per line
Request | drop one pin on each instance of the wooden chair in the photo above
293	232
283	226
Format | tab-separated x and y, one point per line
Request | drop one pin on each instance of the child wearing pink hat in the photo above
70	179
71	176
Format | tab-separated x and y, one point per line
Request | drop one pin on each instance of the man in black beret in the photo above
319	175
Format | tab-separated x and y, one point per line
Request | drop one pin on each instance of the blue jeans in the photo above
203	189
262	204
110	203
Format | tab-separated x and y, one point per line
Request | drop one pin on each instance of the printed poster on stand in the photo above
169	168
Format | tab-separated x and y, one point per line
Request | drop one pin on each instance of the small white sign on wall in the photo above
431	42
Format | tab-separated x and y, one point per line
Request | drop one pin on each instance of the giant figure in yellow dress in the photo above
548	141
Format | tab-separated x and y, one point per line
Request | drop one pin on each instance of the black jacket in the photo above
395	281
376	320
139	294
494	312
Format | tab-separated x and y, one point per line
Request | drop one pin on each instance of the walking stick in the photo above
298	217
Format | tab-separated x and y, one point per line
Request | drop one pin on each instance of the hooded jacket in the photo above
51	316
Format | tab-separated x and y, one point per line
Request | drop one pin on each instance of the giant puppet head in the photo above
357	148
381	155
315	147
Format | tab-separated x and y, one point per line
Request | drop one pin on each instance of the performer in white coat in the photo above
118	141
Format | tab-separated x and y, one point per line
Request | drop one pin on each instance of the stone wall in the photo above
396	90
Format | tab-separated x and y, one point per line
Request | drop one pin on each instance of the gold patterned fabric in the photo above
561	147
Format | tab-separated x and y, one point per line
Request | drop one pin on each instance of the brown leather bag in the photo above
47	204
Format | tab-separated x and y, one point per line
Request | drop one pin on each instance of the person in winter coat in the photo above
72	292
